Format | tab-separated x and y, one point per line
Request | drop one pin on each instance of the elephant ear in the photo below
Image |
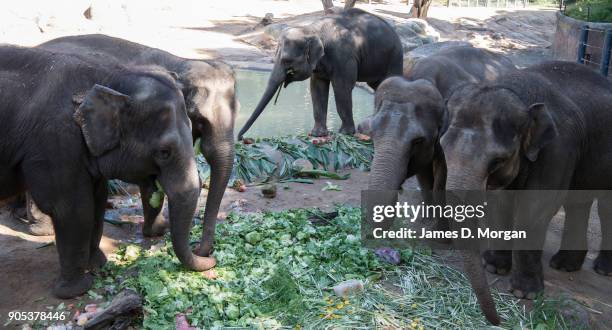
314	51
98	117
541	132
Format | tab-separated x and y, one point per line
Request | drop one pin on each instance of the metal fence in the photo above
594	49
488	3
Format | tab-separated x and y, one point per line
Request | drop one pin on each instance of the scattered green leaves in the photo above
331	186
277	269
319	173
252	163
157	198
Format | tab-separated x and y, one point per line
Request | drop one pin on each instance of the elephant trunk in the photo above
221	163
274	83
389	168
182	186
478	280
457	180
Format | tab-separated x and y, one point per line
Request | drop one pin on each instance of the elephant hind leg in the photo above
67	195
97	259
319	93
574	241
603	263
343	89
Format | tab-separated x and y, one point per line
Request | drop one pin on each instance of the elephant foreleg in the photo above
498	260
71	205
433	196
603	263
97	259
154	222
533	218
343	90
319	92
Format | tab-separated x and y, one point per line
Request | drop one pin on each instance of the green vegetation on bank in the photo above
590	10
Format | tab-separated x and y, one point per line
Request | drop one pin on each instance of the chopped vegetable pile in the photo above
279	269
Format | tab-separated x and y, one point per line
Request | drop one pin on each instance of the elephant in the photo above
409	116
68	125
210	97
545	127
342	49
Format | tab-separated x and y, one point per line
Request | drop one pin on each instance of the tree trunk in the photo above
349	4
327	6
419	8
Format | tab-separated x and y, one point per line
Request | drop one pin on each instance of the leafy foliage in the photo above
590	10
252	163
277	270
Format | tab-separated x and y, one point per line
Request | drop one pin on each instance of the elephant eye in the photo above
496	163
418	141
163	154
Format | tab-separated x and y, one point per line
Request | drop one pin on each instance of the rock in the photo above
275	30
415	32
267	20
269	190
496	36
346	288
388	255
427	50
302	164
273	155
90	308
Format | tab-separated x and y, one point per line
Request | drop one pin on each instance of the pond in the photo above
292	114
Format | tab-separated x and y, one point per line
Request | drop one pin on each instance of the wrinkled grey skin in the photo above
340	49
407	121
542	128
209	91
68	125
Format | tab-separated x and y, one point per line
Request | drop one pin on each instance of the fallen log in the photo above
126	306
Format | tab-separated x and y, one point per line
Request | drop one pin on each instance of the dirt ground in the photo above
203	29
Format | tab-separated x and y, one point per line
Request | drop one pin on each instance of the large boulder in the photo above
275	30
411	57
415	32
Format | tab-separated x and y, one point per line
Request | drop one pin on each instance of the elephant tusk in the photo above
278	93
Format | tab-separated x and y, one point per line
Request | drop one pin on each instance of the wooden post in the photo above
327	5
582	43
605	57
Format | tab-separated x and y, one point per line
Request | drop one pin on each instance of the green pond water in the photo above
292	113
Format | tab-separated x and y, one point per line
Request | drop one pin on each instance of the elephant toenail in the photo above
531	296
518	293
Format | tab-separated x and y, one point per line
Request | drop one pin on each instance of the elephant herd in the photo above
80	110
